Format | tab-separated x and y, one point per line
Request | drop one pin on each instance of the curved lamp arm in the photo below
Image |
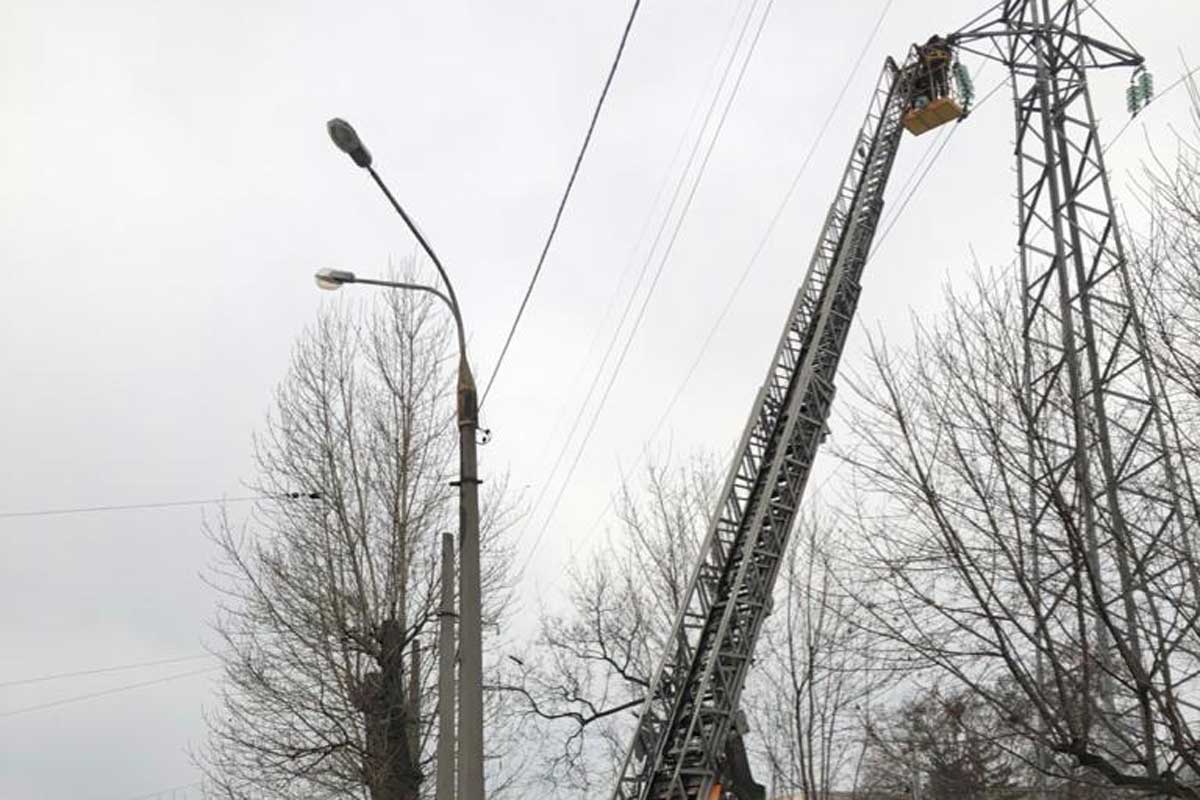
347	140
332	279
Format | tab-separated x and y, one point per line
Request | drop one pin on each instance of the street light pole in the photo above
470	704
470	628
445	743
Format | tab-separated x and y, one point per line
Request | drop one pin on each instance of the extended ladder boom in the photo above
679	749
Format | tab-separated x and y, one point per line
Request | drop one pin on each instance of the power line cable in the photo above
914	174
924	174
92	509
653	284
562	204
760	247
770	229
936	148
658	273
158	793
115	690
904	203
937	145
629	303
631	259
102	670
1183	79
164	504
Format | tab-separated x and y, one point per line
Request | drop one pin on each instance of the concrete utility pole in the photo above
470	707
470	635
445	744
414	703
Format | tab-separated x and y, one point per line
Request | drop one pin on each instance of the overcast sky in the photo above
167	189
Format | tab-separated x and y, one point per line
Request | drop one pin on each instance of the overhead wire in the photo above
940	146
51	512
104	670
653	284
642	235
920	174
925	173
562	203
770	229
104	693
648	260
887	229
760	247
936	147
1183	79
159	793
916	171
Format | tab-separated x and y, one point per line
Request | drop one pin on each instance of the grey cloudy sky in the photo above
167	189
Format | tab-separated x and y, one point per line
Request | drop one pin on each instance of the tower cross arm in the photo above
1004	33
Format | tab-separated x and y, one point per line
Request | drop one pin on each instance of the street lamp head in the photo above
346	139
331	279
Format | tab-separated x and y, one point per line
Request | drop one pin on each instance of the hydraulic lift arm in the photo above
687	744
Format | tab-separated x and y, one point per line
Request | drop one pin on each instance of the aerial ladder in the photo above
688	744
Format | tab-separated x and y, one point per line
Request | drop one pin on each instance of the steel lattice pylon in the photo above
1098	444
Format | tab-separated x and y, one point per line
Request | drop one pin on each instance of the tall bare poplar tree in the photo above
330	587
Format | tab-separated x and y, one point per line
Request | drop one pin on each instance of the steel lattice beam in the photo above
679	748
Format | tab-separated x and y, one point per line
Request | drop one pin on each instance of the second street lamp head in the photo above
346	139
332	279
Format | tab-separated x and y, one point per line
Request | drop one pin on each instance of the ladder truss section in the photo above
678	751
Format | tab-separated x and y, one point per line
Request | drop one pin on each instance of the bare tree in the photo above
326	629
593	662
943	745
986	572
815	672
813	668
937	742
1168	267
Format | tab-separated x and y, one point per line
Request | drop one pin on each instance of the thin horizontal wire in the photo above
102	670
115	690
132	506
